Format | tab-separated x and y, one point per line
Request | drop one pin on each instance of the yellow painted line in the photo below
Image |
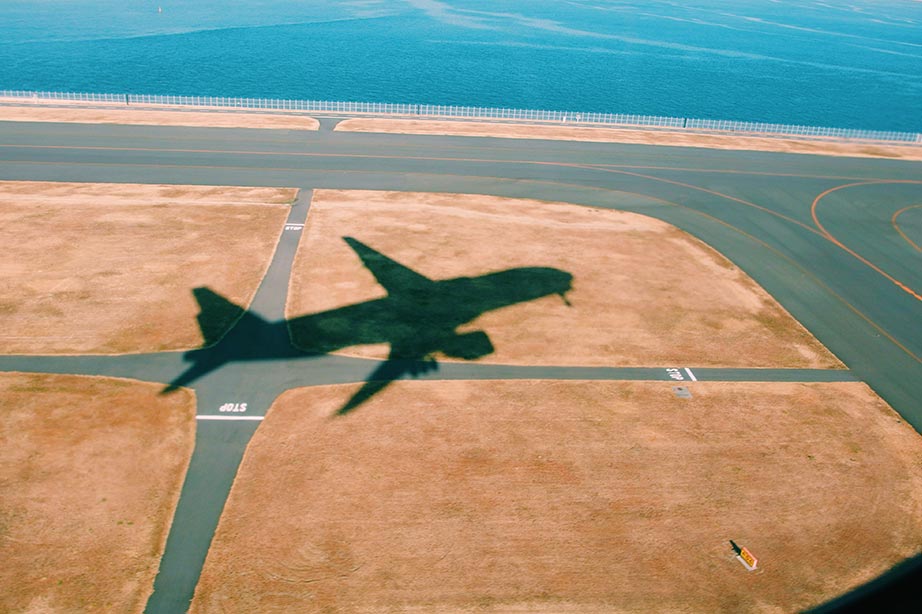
603	167
813	212
690	186
806	272
730	171
900	230
423	159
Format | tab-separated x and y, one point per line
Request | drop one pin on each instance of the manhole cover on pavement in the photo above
682	392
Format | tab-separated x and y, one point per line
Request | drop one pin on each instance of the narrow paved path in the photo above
220	444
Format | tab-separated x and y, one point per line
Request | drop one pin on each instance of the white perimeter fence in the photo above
486	113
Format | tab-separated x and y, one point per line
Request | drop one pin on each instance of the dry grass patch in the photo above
109	268
566	497
147	117
644	293
633	135
90	473
624	135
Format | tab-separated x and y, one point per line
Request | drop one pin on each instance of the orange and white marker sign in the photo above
744	556
748	560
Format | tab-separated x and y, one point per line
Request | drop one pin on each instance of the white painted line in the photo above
208	417
294	226
691	375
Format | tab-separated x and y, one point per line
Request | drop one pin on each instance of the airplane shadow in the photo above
418	318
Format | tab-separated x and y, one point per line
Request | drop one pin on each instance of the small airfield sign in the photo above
744	556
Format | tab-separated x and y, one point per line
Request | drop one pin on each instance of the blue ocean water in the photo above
856	64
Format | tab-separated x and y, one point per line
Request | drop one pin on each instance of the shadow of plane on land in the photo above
418	318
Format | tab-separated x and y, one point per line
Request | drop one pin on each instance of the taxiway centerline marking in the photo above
859	257
848	305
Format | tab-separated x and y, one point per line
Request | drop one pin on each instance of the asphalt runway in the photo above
834	240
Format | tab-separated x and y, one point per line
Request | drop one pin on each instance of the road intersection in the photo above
807	228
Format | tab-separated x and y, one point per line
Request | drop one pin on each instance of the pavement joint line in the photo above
599	165
691	186
311	154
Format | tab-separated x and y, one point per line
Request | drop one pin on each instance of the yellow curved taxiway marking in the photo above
813	212
900	230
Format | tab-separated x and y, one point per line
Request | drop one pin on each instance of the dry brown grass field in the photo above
566	497
109	268
157	117
652	136
644	293
90	473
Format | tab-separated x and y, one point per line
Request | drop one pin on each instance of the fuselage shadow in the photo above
418	318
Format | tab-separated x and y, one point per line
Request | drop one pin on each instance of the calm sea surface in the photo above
855	64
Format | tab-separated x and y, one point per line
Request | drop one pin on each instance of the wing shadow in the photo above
418	318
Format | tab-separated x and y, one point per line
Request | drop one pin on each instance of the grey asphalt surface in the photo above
756	208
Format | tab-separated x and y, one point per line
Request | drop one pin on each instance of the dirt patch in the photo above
147	117
640	136
90	473
566	497
109	268
644	293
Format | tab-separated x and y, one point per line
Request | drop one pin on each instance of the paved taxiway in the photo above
817	232
756	208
